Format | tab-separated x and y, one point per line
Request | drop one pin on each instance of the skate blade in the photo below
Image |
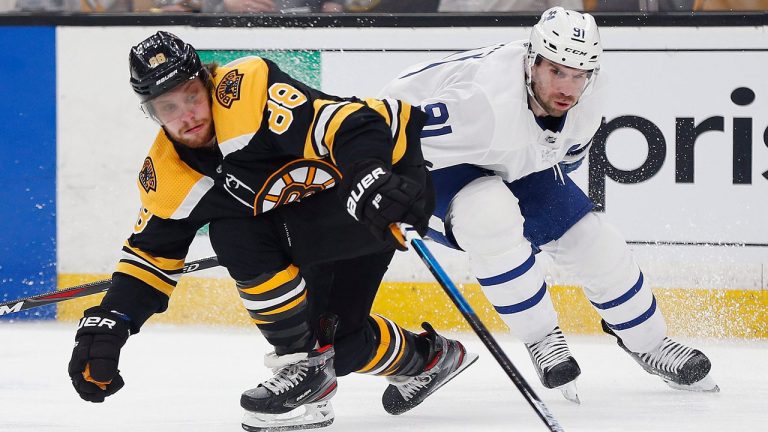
469	359
308	416
570	392
705	385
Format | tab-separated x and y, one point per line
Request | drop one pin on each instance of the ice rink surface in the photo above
189	379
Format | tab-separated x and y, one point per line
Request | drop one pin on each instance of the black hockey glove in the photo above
93	367
379	198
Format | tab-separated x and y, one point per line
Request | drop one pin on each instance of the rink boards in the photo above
682	164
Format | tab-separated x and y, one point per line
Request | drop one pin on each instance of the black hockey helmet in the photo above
160	63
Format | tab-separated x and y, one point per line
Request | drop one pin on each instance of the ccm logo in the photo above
97	322
575	51
359	189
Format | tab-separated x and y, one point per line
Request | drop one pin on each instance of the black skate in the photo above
681	367
555	365
448	358
298	395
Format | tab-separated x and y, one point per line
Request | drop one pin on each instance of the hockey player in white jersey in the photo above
507	123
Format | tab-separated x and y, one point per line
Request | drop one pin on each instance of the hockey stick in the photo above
19	305
480	329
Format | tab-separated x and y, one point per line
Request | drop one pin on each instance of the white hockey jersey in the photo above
478	106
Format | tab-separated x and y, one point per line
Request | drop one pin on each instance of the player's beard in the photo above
550	106
197	138
552	110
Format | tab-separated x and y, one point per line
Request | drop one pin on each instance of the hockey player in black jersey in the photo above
299	189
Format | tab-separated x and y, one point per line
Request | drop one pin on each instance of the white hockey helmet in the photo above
568	38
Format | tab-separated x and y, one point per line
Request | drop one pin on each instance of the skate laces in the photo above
286	378
670	356
551	350
409	386
289	370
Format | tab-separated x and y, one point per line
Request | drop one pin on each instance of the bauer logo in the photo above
167	77
738	141
95	321
147	176
228	89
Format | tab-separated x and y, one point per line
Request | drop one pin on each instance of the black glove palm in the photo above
379	198
93	367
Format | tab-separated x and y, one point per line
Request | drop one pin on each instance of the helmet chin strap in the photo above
533	97
528	67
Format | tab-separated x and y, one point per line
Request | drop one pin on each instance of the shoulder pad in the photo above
239	100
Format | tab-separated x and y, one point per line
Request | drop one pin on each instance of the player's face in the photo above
557	88
185	113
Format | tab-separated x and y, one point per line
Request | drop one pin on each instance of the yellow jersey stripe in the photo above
146	277
280	278
400	138
335	123
397	115
265	305
311	150
288	306
163	264
395	364
384	341
325	110
380	108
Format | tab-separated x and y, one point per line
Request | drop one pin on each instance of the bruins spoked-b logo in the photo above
294	181
228	89
147	176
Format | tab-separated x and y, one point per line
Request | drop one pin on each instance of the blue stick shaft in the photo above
482	331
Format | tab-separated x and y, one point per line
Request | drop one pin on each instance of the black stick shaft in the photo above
78	291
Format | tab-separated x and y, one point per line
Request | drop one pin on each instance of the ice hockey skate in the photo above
555	365
680	366
447	359
296	397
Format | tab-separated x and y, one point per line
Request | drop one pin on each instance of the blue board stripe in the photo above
28	174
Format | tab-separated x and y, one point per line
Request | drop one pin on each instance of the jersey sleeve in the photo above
345	130
150	266
256	101
460	125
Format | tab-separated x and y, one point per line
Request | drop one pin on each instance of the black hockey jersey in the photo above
278	140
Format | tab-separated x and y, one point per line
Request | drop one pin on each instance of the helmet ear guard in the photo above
567	38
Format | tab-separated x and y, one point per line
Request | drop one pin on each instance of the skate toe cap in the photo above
562	373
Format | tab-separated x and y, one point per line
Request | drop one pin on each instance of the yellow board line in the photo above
689	312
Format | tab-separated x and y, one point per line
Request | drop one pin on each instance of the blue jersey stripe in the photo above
637	321
524	305
510	275
624	297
